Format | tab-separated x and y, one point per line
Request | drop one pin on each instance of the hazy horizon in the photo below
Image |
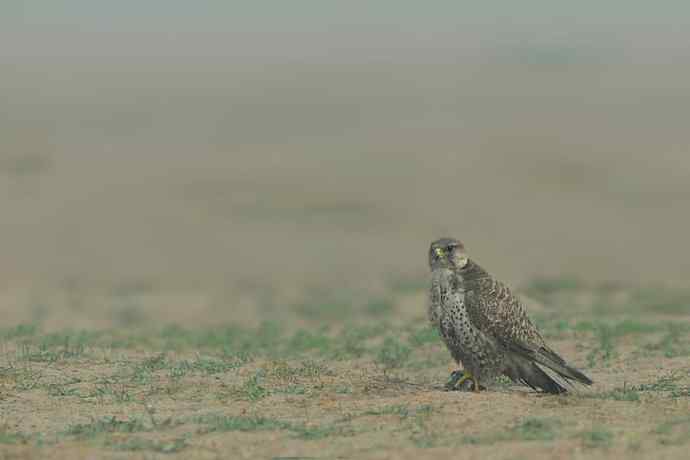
289	143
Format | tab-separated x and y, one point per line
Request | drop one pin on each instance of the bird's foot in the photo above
462	380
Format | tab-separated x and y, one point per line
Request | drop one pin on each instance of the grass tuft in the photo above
535	429
252	389
597	438
108	424
393	353
139	444
379	307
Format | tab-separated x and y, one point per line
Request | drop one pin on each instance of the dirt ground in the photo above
322	377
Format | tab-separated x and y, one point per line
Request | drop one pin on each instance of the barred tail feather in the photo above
538	379
557	364
550	360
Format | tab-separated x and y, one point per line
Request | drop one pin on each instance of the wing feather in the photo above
493	308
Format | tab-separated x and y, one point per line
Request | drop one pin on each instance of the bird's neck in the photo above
473	272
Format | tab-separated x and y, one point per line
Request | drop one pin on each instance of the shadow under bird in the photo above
486	327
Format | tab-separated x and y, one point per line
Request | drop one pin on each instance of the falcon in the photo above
486	327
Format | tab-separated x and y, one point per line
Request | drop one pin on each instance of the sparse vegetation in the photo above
108	424
392	354
527	429
626	393
597	438
139	444
536	429
379	307
674	432
317	379
252	389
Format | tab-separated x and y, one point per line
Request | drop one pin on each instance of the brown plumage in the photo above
486	327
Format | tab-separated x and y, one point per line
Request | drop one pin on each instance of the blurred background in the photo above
196	151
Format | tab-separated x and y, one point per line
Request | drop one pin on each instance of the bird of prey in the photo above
486	327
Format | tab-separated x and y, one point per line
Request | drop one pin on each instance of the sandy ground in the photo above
350	381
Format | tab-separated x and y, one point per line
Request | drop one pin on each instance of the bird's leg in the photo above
455	376
462	380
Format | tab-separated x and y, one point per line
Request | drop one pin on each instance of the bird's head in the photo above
447	253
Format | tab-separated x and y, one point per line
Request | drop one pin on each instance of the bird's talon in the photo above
454	377
461	380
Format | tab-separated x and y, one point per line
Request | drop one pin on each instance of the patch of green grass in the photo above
292	389
663	300
527	429
348	345
424	436
252	389
477	439
552	325
379	307
233	340
51	348
352	341
129	315
603	299
111	388
69	339
108	424
211	366
624	327
232	423
19	331
142	372
438	358
674	343
344	389
315	432
423	336
25	378
221	423
178	370
598	437
618	394
674	432
400	410
308	369
392	354
366	331
535	429
63	388
303	341
540	288
324	307
12	438
409	285
265	337
139	444
669	384
630	326
604	351
606	335
236	360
